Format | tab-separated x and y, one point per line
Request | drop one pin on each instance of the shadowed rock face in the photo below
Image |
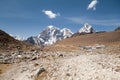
34	40
117	28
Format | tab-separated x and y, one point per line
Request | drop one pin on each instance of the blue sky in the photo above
27	17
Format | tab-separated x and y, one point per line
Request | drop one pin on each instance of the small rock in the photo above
67	74
40	71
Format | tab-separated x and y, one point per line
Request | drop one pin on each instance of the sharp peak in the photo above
87	25
51	26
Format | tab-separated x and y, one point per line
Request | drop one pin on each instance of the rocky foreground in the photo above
88	63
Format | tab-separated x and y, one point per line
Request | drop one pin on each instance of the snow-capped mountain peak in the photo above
66	33
50	35
49	30
86	29
50	26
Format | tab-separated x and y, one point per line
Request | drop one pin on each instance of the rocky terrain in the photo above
89	63
88	56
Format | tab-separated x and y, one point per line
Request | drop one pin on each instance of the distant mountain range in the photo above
50	35
53	34
76	41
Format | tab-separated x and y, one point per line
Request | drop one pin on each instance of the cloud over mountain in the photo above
50	14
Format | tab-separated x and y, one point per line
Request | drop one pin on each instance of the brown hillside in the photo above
5	38
8	43
73	43
108	38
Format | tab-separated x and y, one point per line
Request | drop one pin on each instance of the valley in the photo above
59	39
83	56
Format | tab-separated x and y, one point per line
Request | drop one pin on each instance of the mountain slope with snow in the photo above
66	33
34	40
50	35
86	29
17	37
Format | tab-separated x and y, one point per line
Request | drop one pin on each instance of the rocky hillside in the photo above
8	43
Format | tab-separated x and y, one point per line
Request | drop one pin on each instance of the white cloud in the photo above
92	5
50	14
105	22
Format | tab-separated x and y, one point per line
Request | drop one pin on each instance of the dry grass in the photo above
64	48
108	38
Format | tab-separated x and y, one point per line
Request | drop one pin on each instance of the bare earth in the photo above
98	64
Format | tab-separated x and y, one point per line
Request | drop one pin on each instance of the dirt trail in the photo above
86	67
79	67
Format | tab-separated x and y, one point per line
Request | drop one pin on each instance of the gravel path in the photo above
80	67
86	67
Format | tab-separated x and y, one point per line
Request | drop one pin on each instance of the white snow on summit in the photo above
18	38
66	33
50	35
86	29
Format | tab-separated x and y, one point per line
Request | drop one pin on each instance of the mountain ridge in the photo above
86	28
51	35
